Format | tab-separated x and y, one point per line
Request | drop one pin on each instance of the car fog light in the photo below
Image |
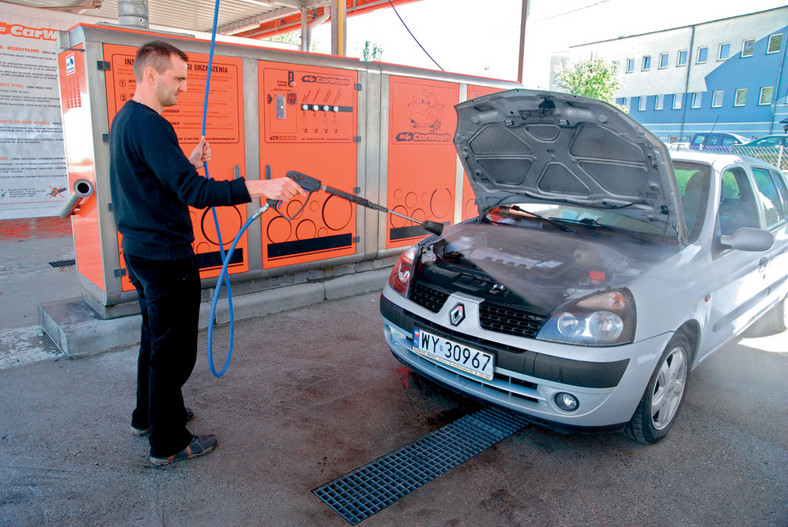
566	401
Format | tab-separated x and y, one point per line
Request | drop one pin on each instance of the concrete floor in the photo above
314	393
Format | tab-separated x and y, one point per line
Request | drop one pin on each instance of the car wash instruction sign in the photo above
33	174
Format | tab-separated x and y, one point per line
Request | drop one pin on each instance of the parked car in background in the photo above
716	142
771	148
600	271
769	141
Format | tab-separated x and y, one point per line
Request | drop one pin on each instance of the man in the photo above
152	185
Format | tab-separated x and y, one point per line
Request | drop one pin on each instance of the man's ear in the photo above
150	75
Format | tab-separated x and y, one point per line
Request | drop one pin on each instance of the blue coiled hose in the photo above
225	258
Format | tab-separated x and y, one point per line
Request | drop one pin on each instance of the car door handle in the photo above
762	263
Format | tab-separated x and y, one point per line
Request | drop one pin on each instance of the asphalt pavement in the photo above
313	393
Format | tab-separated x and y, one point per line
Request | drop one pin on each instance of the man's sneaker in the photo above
199	446
139	432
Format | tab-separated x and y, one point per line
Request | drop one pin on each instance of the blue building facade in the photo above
728	75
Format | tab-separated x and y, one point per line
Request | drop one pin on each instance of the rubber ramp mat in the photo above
368	489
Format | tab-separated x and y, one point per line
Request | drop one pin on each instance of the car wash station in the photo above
319	423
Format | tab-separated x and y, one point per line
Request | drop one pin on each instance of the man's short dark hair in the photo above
155	54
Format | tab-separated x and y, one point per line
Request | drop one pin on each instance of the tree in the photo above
371	52
591	78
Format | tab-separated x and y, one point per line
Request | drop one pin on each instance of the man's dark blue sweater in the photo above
153	183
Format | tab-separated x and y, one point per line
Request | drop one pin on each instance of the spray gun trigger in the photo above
308	183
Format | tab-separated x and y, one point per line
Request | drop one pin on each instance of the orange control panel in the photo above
308	117
224	132
421	158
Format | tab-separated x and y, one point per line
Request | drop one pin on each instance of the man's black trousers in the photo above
169	298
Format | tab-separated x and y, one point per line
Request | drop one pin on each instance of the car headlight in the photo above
601	319
402	273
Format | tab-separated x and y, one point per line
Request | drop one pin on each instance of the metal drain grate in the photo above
376	485
63	263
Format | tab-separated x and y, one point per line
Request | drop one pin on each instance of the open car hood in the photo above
534	146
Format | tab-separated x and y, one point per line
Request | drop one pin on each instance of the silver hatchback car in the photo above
600	271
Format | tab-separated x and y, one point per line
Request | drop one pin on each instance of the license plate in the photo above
462	357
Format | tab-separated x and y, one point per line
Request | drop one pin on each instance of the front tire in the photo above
659	407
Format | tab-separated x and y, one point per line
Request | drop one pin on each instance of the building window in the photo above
630	65
725	52
659	103
663	60
677	98
703	55
646	63
775	43
642	103
697	99
741	97
628	104
681	59
767	93
716	98
748	47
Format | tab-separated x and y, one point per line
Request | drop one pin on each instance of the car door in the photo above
773	196
738	278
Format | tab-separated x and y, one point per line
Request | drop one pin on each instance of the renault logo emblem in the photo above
457	314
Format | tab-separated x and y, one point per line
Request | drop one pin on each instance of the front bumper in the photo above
529	373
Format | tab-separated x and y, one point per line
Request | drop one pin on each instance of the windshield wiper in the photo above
552	222
593	223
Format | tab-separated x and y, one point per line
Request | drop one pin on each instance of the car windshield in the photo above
694	183
572	217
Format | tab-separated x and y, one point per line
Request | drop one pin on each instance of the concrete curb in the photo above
78	331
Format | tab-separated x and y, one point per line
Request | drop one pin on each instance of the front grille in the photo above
428	297
502	319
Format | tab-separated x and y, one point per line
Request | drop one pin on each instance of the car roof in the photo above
717	159
737	136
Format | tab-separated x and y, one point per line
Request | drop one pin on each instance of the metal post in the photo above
338	25
521	61
305	33
133	13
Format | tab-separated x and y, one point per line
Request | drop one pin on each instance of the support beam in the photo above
521	62
338	28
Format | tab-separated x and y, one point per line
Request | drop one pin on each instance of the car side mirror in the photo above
748	239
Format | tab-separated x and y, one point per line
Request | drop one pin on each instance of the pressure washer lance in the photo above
311	184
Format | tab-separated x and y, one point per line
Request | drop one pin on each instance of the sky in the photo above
481	37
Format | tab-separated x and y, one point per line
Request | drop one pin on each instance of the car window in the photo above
693	183
779	180
769	197
713	140
768	141
698	139
738	206
727	140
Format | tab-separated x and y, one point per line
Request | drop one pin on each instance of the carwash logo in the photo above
18	30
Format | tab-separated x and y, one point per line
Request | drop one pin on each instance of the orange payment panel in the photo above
79	154
224	132
422	161
308	117
469	209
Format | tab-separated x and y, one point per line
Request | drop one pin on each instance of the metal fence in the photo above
774	155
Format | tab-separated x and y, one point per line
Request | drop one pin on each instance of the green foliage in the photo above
371	52
293	37
593	78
